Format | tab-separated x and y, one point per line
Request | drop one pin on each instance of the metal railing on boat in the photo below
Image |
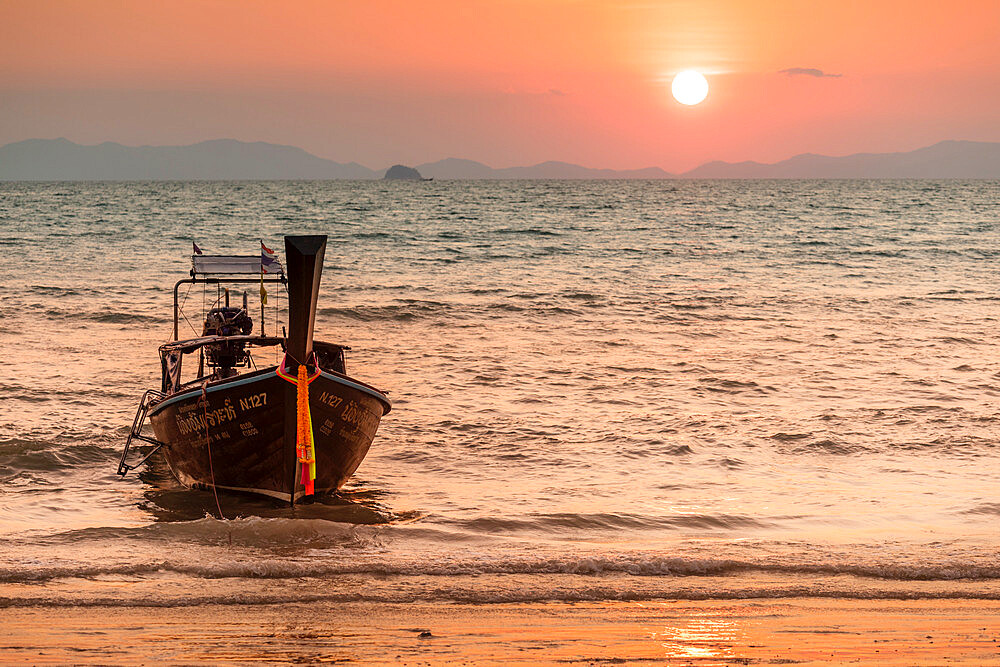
135	433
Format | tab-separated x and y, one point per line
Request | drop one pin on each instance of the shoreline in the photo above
713	632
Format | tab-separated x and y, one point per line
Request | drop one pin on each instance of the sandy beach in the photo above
801	632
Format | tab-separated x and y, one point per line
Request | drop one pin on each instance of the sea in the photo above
602	391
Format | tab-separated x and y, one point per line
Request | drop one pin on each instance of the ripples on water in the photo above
602	390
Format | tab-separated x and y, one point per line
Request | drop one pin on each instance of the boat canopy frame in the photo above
199	280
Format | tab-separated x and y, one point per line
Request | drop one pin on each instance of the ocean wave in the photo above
20	455
400	312
52	290
257	532
730	386
574	522
372	235
830	446
418	310
31	391
368	563
471	595
526	232
989	509
106	317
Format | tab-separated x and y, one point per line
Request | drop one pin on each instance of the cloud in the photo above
808	71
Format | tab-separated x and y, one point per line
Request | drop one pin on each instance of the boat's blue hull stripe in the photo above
360	387
258	378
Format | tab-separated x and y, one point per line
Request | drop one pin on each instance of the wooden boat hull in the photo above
239	434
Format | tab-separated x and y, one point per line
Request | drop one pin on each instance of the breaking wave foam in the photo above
367	564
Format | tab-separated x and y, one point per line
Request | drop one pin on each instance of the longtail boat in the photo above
295	429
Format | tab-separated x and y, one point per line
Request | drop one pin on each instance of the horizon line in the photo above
517	166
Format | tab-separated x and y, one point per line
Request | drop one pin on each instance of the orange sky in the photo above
504	82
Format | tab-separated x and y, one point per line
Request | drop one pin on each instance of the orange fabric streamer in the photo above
305	450
304	433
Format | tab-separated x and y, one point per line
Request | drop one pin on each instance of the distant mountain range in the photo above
228	159
219	159
457	168
946	159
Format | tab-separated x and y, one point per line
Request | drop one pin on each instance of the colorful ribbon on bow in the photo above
305	450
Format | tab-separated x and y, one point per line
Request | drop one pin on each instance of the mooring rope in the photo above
208	446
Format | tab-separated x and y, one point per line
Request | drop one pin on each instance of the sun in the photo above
689	87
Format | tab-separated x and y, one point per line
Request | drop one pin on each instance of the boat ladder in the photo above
135	433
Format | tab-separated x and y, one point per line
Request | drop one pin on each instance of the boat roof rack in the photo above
226	265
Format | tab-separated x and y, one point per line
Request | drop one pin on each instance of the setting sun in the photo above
689	87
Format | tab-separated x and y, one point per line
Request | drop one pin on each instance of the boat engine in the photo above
227	321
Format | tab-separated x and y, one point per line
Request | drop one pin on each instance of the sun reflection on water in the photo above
705	638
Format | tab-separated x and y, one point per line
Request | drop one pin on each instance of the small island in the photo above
401	172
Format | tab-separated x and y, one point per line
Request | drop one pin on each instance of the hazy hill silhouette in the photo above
457	168
228	159
219	159
946	159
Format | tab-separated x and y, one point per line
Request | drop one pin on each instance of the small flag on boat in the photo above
268	262
197	250
263	292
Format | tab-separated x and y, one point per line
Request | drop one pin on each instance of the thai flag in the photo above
268	262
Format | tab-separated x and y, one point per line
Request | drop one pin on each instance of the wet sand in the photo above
767	632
